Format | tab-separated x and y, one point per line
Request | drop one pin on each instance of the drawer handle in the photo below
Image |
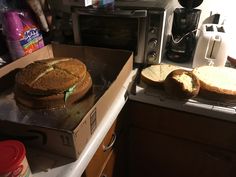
109	146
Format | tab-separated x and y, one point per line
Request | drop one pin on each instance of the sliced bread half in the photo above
217	83
156	74
181	84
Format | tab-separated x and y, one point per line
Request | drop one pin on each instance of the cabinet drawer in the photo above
109	166
96	164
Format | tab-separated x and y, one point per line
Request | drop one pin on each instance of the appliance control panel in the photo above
155	37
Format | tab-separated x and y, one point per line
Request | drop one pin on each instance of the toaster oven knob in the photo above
153	30
153	43
152	57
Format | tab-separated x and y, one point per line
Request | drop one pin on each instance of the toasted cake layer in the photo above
156	74
62	99
52	83
50	76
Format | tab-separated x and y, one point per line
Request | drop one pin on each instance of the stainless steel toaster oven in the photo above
139	26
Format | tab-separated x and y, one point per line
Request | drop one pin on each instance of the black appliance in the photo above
182	41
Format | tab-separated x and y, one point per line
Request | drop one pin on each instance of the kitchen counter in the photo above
218	110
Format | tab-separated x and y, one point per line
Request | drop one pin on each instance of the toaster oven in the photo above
138	26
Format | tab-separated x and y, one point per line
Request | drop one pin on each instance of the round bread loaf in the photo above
52	83
182	84
156	74
217	83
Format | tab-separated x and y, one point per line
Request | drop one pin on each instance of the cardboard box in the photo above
64	131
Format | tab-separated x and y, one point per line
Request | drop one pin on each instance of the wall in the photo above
228	13
225	8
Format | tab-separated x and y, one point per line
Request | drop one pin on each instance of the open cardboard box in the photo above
67	130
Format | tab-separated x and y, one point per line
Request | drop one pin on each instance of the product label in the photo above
22	170
31	40
15	173
22	34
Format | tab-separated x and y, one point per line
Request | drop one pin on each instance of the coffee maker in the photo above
182	42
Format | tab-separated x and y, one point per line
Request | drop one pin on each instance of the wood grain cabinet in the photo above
159	142
105	160
170	143
102	154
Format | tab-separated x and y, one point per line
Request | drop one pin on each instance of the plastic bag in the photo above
22	35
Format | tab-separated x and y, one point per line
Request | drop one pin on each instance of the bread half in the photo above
182	84
217	83
156	74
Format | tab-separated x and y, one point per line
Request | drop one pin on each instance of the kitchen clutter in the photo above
59	94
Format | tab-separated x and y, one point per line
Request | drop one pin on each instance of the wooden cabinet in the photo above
197	128
106	158
108	169
100	158
155	154
170	143
159	142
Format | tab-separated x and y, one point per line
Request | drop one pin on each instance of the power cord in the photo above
178	41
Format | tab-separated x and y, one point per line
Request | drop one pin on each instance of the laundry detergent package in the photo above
22	34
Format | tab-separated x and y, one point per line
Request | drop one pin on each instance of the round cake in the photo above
217	83
52	83
182	84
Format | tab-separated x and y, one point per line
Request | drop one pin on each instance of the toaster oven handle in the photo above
116	13
131	13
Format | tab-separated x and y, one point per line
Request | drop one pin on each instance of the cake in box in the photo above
63	130
52	83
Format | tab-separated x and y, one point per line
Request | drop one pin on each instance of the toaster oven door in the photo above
119	29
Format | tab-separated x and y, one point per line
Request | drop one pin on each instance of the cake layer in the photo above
156	74
55	100
217	83
50	76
